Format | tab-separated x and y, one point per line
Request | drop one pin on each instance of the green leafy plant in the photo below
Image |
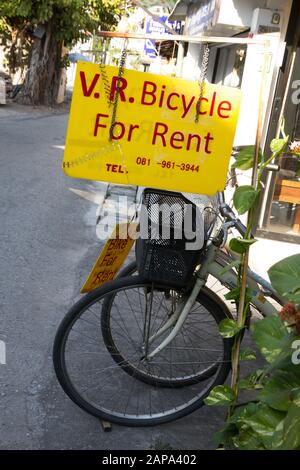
246	199
264	422
271	419
285	277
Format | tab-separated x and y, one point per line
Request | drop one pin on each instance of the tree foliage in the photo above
54	23
165	3
73	17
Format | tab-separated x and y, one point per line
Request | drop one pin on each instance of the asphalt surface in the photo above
48	245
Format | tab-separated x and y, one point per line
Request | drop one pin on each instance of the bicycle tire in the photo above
100	411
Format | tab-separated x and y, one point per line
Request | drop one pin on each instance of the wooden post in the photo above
260	116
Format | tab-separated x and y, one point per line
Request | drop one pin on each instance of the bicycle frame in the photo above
213	264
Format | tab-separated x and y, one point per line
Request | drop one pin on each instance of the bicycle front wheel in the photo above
105	373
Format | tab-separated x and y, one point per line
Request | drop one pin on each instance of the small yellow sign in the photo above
111	258
154	140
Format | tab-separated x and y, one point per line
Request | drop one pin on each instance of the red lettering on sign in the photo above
103	276
117	244
208	138
199	104
118	83
114	168
87	91
131	129
189	140
97	125
121	134
160	134
151	93
186	105
173	108
222	107
161	99
176	137
212	106
108	260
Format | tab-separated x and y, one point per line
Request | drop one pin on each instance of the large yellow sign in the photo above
154	140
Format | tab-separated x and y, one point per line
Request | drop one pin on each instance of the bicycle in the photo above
155	348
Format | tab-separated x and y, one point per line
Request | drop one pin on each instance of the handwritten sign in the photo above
155	141
111	258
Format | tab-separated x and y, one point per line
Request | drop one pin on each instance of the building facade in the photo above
241	66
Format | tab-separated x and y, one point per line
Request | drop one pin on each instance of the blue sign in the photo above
200	17
153	27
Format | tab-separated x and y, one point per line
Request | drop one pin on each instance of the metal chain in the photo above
106	83
117	92
201	81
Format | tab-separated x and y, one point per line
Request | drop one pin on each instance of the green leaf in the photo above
244	436
245	157
269	335
257	425
295	396
247	241
225	435
222	395
277	437
283	361
243	412
285	277
247	354
291	429
252	381
228	328
244	198
234	245
247	440
295	298
234	294
278	390
264	422
277	145
240	245
229	267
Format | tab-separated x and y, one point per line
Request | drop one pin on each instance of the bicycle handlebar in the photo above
240	227
229	215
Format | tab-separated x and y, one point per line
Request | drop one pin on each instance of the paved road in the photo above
48	242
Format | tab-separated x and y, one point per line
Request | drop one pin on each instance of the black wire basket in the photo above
168	250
